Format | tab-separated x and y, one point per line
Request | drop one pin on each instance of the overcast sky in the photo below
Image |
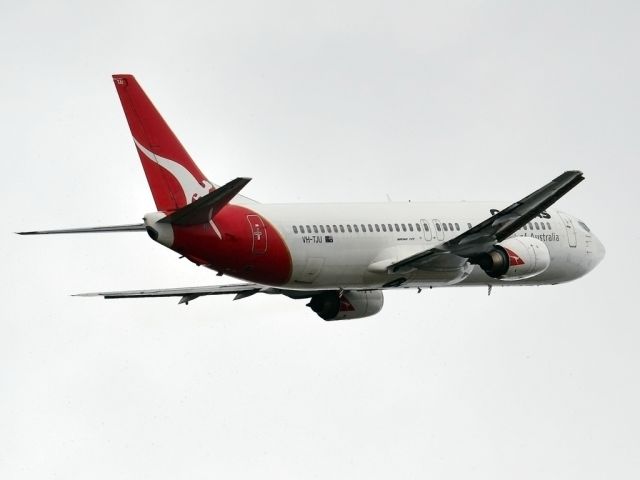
344	101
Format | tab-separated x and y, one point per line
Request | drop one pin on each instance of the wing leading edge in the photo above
497	228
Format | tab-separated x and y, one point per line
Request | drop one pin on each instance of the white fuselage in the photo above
329	247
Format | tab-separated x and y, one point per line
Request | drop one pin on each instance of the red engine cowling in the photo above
516	258
349	305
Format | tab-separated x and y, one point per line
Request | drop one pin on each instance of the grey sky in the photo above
317	102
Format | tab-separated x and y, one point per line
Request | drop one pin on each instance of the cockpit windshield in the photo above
583	226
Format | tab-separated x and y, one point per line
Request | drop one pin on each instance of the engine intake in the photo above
494	263
351	304
516	258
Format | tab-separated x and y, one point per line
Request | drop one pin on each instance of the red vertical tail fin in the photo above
174	179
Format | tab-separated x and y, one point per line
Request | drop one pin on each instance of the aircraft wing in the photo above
241	290
503	224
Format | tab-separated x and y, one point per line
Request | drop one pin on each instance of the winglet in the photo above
204	208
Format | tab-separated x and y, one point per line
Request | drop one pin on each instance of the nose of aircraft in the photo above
597	251
592	252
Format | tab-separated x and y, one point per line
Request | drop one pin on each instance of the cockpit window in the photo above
583	225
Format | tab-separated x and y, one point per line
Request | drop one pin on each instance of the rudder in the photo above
174	179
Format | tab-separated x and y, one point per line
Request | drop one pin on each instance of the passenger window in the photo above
404	227
335	229
321	228
341	228
370	228
349	228
363	229
384	227
418	227
469	226
308	229
301	229
355	227
377	227
328	228
438	227
524	227
444	226
315	229
549	225
410	227
457	226
543	226
450	227
536	225
295	229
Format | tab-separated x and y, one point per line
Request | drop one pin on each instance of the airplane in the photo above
341	257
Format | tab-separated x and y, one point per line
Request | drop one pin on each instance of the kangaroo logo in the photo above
191	188
514	258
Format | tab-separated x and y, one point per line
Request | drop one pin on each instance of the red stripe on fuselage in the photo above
235	254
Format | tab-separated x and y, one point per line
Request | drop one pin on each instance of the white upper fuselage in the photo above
329	247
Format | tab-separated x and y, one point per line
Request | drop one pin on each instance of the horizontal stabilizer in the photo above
135	227
204	208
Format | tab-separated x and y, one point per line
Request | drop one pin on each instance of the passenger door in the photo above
571	231
258	234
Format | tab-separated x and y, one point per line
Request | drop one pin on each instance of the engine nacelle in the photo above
351	304
516	258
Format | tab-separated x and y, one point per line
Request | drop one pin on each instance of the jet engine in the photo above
516	258
332	305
